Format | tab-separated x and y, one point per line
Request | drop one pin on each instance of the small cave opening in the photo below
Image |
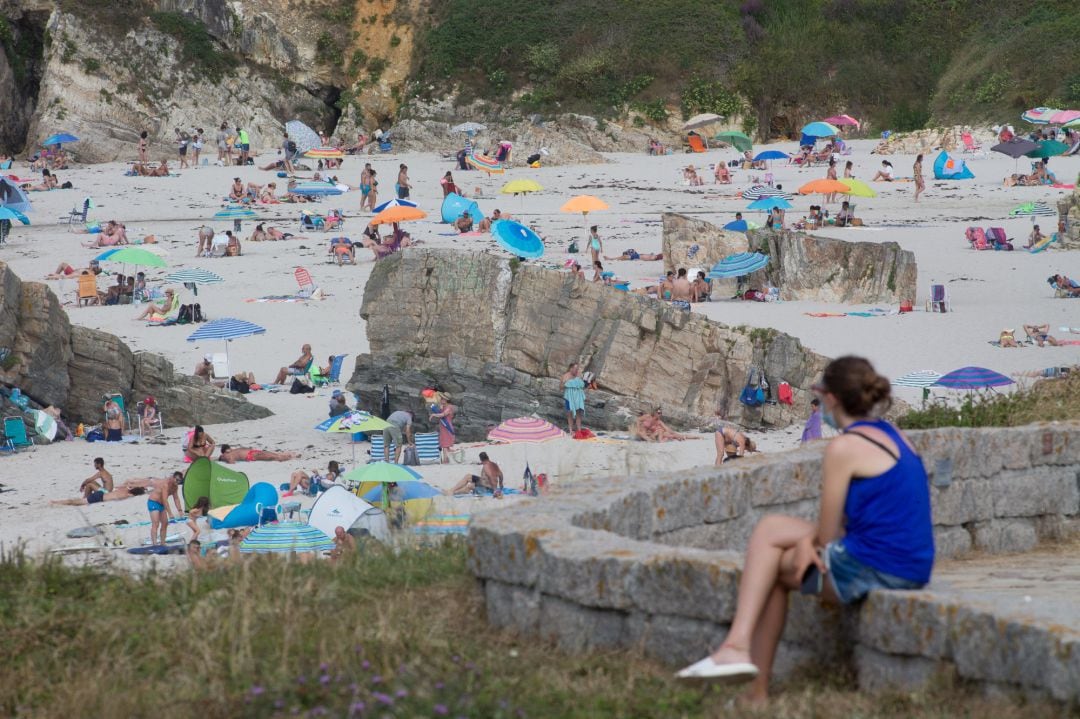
329	96
22	62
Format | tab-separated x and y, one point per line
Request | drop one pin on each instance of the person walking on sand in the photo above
443	411
812	430
873	531
831	175
916	172
182	140
403	185
573	397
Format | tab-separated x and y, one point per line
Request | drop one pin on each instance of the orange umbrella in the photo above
400	213
584	204
823	187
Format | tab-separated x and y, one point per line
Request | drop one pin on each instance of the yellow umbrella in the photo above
398	213
515	187
857	188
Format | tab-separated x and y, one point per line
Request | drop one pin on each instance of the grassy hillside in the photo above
899	63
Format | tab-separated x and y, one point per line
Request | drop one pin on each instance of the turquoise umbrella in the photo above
7	213
236	213
517	239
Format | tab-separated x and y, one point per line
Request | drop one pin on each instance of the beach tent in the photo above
454	204
206	478
258	507
947	167
338	507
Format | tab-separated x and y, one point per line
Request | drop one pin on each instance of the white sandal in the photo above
708	670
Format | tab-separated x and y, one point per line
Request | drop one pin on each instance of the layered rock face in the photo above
498	335
689	242
805	267
1069	210
56	363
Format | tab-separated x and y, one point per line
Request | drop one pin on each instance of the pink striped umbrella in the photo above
1063	117
532	430
840	120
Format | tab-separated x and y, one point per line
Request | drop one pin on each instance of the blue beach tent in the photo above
947	167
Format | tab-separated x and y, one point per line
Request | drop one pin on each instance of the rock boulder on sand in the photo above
690	242
56	363
498	335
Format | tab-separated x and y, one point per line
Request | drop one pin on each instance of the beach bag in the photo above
409	457
753	395
196	313
95	435
784	394
573	248
185	315
240	386
299	386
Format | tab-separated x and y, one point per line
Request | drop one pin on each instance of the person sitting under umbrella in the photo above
231	455
158	312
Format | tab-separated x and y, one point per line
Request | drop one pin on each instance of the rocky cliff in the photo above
497	335
56	363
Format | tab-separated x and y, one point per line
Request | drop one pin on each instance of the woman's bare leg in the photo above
718	439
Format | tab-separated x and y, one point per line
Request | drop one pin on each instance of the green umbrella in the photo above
132	256
736	139
1048	148
382	472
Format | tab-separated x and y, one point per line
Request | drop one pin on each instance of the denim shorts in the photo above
852	580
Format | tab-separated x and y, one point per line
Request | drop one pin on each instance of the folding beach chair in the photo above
427	447
977	237
87	294
939	299
997	236
303	279
79	213
970	146
377	448
309	221
334	375
15	435
219	366
157	423
696	143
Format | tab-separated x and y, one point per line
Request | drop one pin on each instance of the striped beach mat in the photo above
427	447
443	524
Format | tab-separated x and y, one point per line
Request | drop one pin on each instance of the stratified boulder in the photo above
187	400
41	342
102	364
498	335
690	242
805	267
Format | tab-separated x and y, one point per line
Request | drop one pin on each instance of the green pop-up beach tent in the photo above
205	478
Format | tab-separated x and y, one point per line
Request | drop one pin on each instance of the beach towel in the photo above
443	524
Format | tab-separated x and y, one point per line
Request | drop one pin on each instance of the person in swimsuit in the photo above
64	270
156	312
157	503
635	255
573	397
490	477
231	455
201	444
681	291
667	286
916	172
201	510
124	491
650	427
731	444
403	186
144	145
874	530
1041	335
596	246
344	543
114	422
100	482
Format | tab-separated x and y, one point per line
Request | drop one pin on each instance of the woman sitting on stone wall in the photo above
874	530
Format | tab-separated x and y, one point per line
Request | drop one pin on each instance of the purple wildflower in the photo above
401	693
365	664
257	690
383	698
440	709
358	708
377	679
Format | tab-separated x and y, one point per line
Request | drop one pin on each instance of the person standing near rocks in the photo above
596	246
812	430
403	185
443	411
223	144
196	145
243	144
182	139
144	146
573	397
682	292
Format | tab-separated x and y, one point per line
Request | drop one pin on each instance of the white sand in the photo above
990	290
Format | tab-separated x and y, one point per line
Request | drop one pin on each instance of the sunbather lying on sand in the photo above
231	455
162	170
1007	338
1040	334
64	270
1061	283
650	427
635	255
49	181
124	491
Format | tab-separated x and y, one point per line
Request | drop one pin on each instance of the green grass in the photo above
197	47
402	633
1055	400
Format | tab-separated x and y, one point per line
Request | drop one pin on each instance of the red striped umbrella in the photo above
525	429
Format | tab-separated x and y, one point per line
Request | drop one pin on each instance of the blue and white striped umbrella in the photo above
285	537
738	265
920	379
393	203
235	212
315	189
756	192
1033	209
193	276
226	329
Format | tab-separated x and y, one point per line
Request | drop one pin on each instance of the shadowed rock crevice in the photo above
22	61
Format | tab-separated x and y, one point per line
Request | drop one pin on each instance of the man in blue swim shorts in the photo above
157	503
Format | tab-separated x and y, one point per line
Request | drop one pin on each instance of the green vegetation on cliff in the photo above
899	63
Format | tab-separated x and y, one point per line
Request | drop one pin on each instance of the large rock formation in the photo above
498	335
805	267
690	242
1069	210
56	363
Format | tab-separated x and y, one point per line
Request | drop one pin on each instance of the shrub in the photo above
197	47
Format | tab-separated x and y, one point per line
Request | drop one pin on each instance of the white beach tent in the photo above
338	507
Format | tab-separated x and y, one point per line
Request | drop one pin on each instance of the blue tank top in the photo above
888	524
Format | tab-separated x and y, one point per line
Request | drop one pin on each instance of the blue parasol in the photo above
285	537
408	490
396	202
771	155
820	129
517	239
973	378
13	197
738	265
8	213
768	203
58	139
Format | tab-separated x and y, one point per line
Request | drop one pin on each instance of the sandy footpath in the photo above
990	290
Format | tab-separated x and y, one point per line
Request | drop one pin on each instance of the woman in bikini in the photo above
201	444
916	172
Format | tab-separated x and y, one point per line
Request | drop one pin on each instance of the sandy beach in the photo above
989	291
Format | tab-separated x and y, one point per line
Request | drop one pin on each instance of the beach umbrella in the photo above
396	202
324	153
584	204
823	187
705	118
1033	209
227	329
1073	123
756	192
515	187
352	422
236	213
1048	148
1064	117
1039	115
286	537
132	256
382	472
13	197
193	277
531	430
59	139
304	137
468	127
740	141
920	379
740	226
44	424
737	265
409	491
842	120
1015	148
768	203
820	129
857	188
12	215
399	213
315	189
972	378
771	155
517	239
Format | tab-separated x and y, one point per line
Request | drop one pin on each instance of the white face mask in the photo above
827	418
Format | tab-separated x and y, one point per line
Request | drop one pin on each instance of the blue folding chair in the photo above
15	435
